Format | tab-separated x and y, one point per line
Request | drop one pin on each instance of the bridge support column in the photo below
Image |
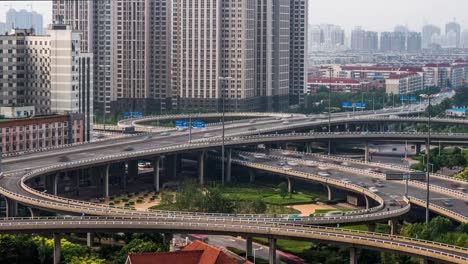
89	239
366	152
367	202
267	149
248	248
51	183
289	185
308	147
78	175
229	166
12	208
251	175
57	248
423	261
272	251
418	149
371	227
352	256
105	176
201	167
132	169
393	227
329	190
156	163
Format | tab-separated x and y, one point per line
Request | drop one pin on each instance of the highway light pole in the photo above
329	109
223	81
428	150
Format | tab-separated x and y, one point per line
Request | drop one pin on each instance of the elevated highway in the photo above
356	239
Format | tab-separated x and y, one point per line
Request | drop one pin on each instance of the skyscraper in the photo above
413	41
24	19
131	74
454	27
428	32
298	49
464	39
364	40
386	41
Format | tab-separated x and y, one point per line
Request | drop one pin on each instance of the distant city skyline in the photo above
373	15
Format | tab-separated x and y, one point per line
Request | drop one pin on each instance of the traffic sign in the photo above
403	98
400	176
198	124
127	115
181	124
360	105
137	114
347	105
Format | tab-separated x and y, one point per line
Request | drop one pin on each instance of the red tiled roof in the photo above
195	253
402	75
178	257
437	65
325	80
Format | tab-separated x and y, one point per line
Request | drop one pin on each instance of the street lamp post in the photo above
428	150
223	80
329	109
255	250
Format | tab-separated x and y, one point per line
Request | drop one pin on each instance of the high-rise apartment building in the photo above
386	41
24	19
131	73
298	49
413	42
48	72
464	39
428	32
456	29
364	40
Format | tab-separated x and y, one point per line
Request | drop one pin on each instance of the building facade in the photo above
48	72
130	41
405	83
40	132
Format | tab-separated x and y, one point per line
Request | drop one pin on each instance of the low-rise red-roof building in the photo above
195	253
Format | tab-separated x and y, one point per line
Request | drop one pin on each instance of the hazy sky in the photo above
377	15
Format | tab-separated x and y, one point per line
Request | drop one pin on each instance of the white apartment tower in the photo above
130	42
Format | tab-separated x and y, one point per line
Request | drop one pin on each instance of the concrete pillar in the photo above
201	167
132	169
272	251
367	202
418	149
171	166
308	147
105	176
51	183
248	248
329	190
352	256
289	185
156	163
371	227
57	248
393	227
12	208
366	152
78	175
267	149
89	239
229	166
123	181
251	175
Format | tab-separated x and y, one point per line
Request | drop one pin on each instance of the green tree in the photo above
167	198
283	189
259	206
88	259
136	246
18	249
214	202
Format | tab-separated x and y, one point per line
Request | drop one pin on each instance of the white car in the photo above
324	174
346	164
310	163
287	168
292	163
259	156
322	167
207	135
346	181
373	189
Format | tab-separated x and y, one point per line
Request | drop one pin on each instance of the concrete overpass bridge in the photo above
354	239
99	156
